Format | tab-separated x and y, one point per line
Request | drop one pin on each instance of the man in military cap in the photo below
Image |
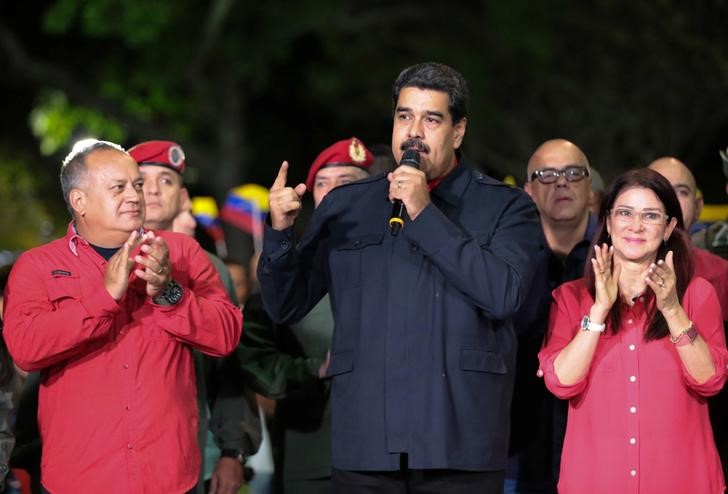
109	315
234	426
287	363
341	163
423	348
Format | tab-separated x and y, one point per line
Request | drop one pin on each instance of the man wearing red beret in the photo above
287	363
109	315
341	163
234	426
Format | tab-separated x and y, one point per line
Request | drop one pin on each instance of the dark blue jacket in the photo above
423	350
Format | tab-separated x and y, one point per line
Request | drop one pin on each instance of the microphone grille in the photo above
411	157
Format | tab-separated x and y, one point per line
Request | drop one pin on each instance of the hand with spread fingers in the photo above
606	277
116	276
285	202
661	278
154	258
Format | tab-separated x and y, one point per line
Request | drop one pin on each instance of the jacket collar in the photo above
452	187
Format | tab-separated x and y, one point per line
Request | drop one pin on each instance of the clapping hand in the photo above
116	275
606	277
661	278
154	263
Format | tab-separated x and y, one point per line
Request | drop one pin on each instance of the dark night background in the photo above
243	85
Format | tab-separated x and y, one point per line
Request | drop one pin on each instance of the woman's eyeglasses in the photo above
626	215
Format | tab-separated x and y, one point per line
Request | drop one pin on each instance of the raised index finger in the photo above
282	177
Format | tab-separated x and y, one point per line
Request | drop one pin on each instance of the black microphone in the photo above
411	157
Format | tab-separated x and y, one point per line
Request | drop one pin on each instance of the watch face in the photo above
173	292
585	322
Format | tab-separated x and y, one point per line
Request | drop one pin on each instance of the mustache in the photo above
415	144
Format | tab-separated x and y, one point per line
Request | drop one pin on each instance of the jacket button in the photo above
285	244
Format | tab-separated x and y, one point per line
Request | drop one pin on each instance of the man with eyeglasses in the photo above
707	265
559	182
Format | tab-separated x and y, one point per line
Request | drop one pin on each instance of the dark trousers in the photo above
409	481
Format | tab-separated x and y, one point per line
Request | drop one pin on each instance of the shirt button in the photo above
633	473
129	446
126	366
632	440
539	373
633	409
629	321
632	347
632	379
127	407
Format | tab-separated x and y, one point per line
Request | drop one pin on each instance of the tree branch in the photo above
43	73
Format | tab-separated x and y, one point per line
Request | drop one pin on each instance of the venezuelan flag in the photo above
245	207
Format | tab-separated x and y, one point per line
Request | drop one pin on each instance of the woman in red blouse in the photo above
637	346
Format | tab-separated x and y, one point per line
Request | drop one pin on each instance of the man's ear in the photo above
459	128
78	200
527	188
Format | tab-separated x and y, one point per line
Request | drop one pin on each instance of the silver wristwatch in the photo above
587	325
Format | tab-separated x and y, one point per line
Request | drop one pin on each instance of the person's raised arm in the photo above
285	202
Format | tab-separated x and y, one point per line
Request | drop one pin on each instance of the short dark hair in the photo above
73	167
678	242
438	77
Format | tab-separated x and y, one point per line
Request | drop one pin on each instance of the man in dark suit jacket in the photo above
423	349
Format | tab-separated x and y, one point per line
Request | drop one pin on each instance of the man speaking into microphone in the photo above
423	349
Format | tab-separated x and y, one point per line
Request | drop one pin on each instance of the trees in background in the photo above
244	85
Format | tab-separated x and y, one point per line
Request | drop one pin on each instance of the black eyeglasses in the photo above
550	175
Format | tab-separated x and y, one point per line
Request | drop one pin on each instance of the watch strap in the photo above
588	325
687	337
233	453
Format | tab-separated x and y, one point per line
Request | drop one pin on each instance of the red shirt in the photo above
117	410
638	422
714	269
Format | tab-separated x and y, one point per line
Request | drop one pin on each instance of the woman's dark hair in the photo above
678	243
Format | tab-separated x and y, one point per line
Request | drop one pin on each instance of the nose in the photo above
150	187
132	194
561	180
415	130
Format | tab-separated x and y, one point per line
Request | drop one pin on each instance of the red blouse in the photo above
638	422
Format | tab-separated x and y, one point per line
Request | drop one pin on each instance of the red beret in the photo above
160	153
349	152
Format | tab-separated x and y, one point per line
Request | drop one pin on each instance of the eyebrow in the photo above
624	206
406	109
